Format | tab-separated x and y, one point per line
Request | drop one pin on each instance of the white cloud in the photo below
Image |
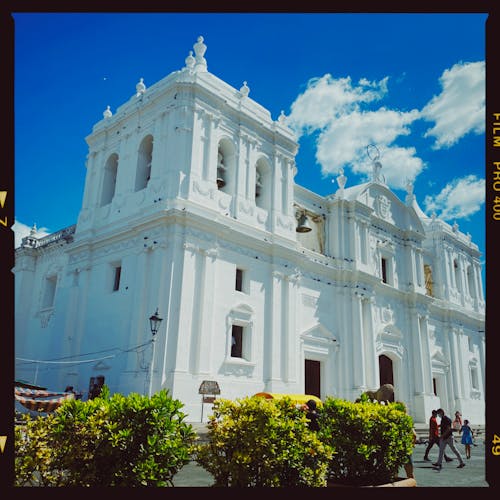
22	230
344	143
459	199
460	108
326	98
333	107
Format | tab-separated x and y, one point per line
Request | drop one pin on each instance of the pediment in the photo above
318	333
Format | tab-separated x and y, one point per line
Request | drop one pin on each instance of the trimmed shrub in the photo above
121	440
372	441
260	442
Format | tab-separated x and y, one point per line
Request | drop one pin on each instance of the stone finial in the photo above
199	51
245	90
282	117
33	230
190	61
455	227
140	87
107	113
341	179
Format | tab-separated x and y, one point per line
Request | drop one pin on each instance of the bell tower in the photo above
194	142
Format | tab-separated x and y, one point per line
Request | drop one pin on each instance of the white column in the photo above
157	143
275	330
426	355
290	311
420	268
372	372
417	354
213	147
358	349
79	320
156	300
479	282
207	291
91	181
138	319
455	365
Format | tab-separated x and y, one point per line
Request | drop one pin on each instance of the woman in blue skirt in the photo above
467	436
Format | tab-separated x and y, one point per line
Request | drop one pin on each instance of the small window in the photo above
116	280
384	270
50	292
434	386
239	280
474	378
237	342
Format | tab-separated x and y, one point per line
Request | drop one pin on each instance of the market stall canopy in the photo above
41	400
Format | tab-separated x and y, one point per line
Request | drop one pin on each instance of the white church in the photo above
190	214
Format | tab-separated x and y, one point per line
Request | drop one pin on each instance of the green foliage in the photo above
260	442
107	441
372	440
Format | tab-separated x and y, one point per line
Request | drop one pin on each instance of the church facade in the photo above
190	211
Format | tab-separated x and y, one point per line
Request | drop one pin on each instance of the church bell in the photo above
304	225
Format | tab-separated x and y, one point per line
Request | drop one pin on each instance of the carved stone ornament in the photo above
383	206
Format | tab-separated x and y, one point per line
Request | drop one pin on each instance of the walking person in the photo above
467	437
457	422
446	439
434	437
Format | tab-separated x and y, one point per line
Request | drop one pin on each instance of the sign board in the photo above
208	399
209	387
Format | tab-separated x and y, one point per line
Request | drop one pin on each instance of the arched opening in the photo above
144	160
470	282
109	181
457	274
225	166
262	184
386	372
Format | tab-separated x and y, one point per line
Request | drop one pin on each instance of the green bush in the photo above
107	441
372	441
260	442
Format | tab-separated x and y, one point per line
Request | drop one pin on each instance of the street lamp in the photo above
154	323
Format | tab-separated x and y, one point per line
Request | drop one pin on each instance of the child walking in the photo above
467	436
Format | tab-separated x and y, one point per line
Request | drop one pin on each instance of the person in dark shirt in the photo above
446	439
434	437
312	415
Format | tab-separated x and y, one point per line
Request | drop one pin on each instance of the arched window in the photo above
109	181
262	184
225	166
221	169
144	159
457	274
470	282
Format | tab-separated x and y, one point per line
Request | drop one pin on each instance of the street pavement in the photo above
472	475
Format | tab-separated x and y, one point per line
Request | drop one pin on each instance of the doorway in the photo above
385	370
313	377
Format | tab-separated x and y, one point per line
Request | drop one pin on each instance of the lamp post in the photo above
154	323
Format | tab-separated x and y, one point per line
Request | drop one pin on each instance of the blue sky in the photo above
412	84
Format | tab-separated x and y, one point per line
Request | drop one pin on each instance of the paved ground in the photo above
472	475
